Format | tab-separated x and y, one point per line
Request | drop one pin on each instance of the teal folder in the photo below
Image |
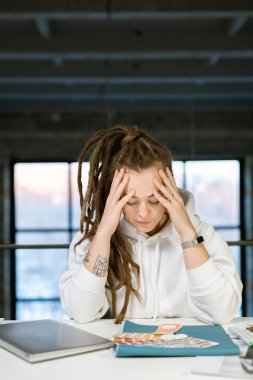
214	333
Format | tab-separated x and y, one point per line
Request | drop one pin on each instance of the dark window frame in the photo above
70	230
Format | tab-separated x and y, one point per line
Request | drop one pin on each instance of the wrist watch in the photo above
192	243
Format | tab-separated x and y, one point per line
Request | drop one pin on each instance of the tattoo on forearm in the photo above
101	266
87	257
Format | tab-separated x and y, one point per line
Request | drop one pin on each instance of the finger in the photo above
169	174
176	193
163	189
121	186
164	201
117	178
126	198
168	180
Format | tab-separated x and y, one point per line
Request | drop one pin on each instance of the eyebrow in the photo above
149	196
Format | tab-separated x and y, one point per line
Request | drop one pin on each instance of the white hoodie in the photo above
210	292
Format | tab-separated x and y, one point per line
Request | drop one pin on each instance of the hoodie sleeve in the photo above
82	293
215	288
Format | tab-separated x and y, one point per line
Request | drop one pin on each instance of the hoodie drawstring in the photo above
141	269
155	275
156	268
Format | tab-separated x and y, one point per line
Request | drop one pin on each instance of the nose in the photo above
143	210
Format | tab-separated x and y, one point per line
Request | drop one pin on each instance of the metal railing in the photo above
240	243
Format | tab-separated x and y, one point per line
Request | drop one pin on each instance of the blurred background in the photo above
181	70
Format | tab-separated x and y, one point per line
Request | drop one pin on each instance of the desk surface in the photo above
102	365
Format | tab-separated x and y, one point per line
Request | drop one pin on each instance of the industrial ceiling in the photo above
145	55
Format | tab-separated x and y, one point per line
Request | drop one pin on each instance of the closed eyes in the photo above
152	202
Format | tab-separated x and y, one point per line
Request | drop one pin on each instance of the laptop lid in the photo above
47	339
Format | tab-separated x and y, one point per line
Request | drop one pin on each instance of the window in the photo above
47	211
216	189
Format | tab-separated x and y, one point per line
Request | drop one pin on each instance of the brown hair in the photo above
114	148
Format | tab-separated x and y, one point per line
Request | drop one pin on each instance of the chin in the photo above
145	229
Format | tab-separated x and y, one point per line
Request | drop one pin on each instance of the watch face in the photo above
200	239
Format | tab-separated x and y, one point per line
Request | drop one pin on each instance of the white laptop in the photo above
46	339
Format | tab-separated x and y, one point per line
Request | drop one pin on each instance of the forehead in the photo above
142	182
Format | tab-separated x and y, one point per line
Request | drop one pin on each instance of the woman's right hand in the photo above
114	203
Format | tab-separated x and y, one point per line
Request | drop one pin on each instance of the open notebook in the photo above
46	339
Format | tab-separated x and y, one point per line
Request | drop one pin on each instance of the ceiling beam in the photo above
198	81
124	55
124	96
125	16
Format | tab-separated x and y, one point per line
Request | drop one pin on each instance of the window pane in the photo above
178	171
233	234
38	270
215	185
41	195
76	211
38	310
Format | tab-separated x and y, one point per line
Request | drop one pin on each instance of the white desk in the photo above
102	365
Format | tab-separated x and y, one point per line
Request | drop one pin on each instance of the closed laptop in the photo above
46	339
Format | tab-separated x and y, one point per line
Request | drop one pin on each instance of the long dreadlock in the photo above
111	149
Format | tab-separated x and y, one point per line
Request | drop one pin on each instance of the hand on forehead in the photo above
142	182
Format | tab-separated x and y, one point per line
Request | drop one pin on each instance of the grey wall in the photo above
61	135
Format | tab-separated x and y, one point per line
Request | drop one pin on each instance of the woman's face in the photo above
143	211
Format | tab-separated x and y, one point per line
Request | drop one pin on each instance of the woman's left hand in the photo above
168	195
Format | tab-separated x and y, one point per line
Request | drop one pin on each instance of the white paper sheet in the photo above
228	366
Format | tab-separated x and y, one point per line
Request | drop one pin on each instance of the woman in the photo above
141	251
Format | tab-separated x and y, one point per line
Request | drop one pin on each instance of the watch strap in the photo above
192	243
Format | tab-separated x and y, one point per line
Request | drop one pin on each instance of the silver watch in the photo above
192	243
